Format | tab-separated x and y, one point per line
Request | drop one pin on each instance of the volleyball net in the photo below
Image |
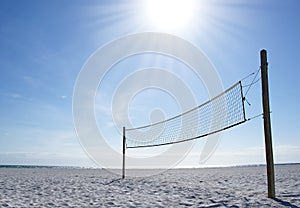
217	114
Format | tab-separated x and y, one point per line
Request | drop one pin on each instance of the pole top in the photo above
263	52
263	57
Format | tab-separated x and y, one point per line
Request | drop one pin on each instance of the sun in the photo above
169	14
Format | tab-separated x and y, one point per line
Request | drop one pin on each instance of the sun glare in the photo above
170	14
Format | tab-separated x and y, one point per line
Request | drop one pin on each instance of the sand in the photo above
210	187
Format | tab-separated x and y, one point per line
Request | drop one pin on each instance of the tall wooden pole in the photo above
267	124
124	148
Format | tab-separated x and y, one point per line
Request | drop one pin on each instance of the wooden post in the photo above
267	124
124	148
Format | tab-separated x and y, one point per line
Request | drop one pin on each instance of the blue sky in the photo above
44	44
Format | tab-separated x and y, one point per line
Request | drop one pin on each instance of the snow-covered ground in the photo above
211	187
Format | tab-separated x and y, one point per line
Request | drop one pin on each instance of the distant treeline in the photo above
39	166
77	167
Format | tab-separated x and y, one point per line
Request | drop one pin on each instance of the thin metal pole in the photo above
267	124
243	101
124	148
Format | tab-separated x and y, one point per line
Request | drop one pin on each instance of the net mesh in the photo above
222	112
